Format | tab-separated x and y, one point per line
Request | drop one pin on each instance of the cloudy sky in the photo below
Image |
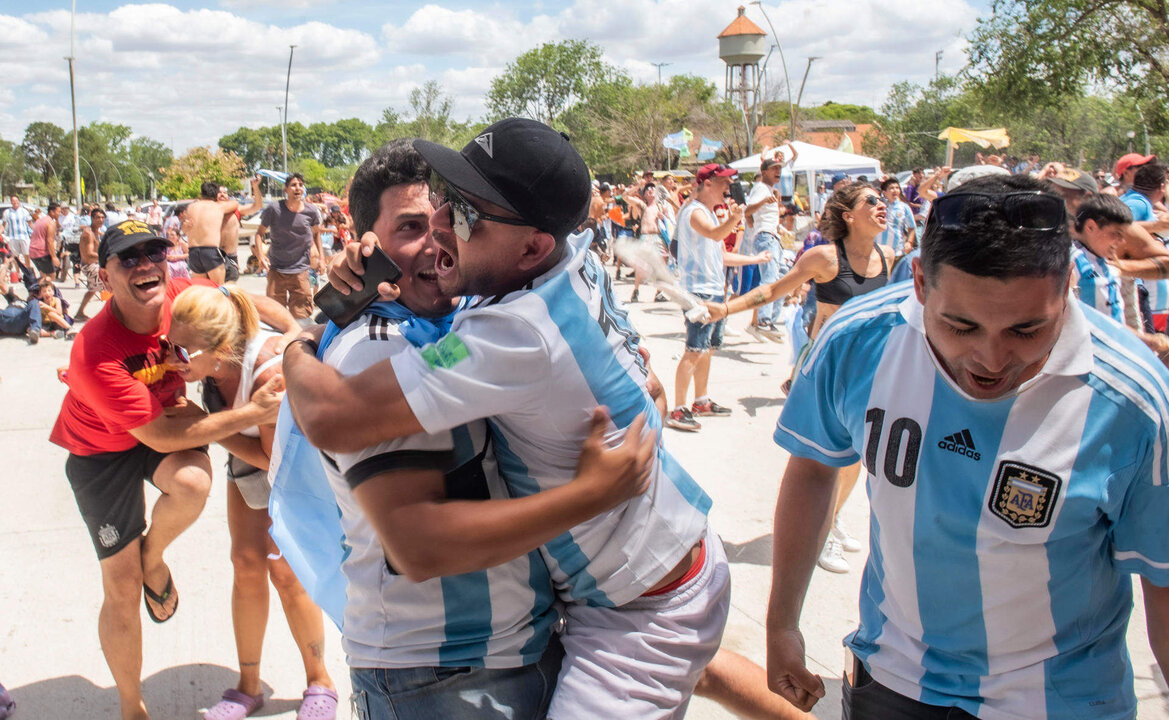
186	73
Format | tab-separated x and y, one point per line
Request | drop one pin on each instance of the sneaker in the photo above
33	336
832	557
848	542
59	334
770	331
709	408
682	419
659	297
7	704
633	297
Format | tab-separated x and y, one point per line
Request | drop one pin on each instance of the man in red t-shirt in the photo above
125	420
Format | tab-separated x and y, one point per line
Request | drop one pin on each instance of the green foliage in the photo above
544	82
41	145
184	176
430	110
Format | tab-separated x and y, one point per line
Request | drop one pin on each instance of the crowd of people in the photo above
495	524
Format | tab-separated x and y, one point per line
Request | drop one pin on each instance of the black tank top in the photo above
847	284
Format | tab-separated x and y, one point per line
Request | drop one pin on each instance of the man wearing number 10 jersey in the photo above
1015	442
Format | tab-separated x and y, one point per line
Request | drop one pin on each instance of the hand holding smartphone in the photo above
344	309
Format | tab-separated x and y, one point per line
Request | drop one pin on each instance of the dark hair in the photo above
97	211
395	163
988	246
832	224
917	170
1149	176
111	207
888	182
209	190
1104	209
293	176
52	206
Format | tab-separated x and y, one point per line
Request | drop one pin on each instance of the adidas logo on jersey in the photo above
961	443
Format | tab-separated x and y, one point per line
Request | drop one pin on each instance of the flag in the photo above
846	144
708	148
679	141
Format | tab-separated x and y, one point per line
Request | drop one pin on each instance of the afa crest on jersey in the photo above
1024	495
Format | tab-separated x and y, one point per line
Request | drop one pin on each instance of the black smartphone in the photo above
738	194
344	309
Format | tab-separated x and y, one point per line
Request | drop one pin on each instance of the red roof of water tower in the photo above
742	26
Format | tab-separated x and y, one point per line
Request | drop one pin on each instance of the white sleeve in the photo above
493	361
759	191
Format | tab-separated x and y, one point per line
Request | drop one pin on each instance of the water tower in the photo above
741	46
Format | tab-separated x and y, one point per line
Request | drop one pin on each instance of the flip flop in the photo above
160	599
320	703
7	704
235	705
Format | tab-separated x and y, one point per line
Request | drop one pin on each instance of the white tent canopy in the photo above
814	159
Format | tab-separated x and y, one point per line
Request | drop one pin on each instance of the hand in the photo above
717	311
63	375
615	475
262	260
184	408
348	267
763	257
787	672
771	199
734	208
268	398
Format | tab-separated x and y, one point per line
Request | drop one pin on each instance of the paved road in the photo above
49	654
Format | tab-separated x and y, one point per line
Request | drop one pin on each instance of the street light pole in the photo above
284	124
659	66
791	108
96	184
73	101
807	67
937	64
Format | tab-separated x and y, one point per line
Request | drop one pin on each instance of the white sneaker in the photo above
832	557
848	542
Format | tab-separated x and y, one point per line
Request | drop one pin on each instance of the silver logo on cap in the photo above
486	141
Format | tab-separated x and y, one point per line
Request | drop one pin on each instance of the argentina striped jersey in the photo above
700	259
536	362
1096	282
500	617
1002	531
1142	211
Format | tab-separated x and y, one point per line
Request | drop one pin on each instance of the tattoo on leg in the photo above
317	649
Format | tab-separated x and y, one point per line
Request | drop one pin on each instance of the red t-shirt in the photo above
118	380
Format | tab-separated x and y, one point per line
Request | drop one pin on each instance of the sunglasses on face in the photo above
463	215
872	200
132	258
184	355
1026	210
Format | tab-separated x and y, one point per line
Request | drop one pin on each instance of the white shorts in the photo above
20	246
643	659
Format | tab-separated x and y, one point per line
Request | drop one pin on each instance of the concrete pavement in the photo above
50	594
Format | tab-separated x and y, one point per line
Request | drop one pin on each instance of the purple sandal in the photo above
235	705
7	704
320	703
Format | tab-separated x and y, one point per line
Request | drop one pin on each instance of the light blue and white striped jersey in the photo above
1142	211
1002	531
536	362
16	224
1096	282
700	259
500	617
898	222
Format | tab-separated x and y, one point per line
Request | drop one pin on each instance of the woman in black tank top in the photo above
851	265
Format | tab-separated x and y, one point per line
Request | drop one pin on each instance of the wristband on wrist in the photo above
312	344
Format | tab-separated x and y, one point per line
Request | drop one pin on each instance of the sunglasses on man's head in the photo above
1023	210
463	215
132	258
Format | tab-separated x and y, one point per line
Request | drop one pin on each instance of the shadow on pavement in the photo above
752	552
752	404
829	706
199	686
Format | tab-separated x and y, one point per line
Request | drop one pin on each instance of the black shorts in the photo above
110	495
231	262
45	265
204	259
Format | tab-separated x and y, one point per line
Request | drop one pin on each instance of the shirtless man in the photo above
202	227
229	231
89	264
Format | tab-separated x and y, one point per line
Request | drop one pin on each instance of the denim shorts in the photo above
700	337
443	693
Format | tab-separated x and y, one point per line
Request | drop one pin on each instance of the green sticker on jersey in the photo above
445	353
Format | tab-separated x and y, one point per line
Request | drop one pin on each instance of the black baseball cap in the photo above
123	236
523	166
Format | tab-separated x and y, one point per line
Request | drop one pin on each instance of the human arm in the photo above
277	317
257	199
229	206
810	266
802	514
425	535
182	431
734	259
258	247
926	189
1157	622
769	198
1153	268
708	229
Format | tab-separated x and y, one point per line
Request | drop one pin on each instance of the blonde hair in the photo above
222	317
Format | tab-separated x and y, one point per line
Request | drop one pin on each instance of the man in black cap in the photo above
125	420
645	585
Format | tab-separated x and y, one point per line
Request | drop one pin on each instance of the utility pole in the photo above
786	78
807	68
73	101
659	66
937	65
284	123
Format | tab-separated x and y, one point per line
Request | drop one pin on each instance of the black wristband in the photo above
307	341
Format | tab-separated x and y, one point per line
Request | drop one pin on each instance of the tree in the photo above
42	141
544	82
150	157
184	176
1029	51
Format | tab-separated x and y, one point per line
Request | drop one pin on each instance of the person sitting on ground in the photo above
56	321
216	338
19	317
